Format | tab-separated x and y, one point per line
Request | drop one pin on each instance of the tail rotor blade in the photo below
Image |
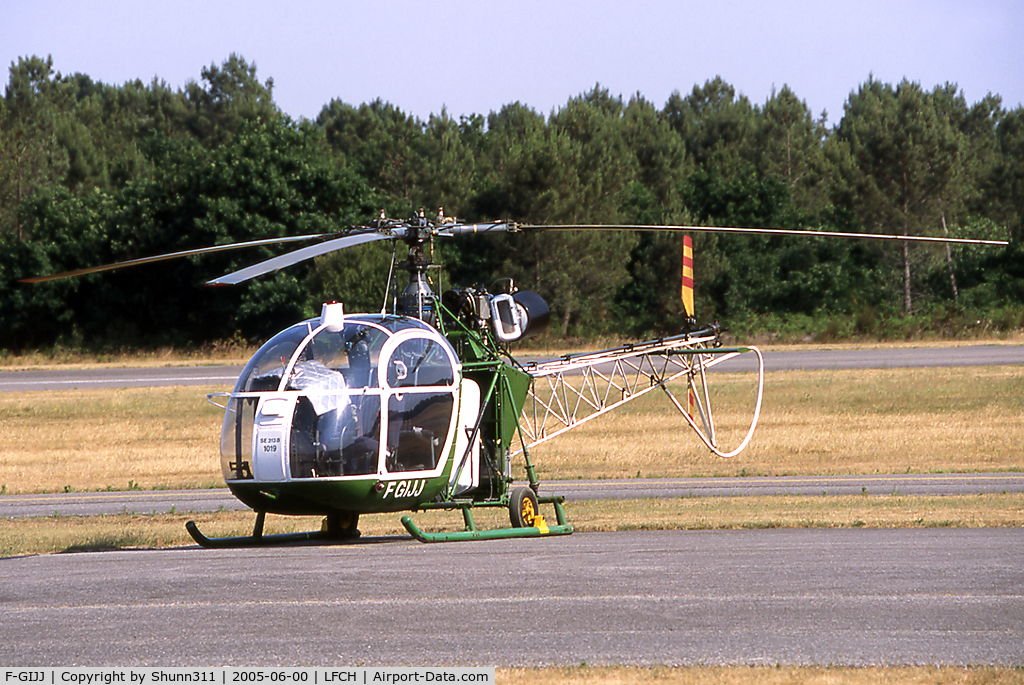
687	287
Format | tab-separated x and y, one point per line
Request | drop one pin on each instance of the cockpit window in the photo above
337	438
401	323
264	370
352	351
421	375
419	362
373	394
418	424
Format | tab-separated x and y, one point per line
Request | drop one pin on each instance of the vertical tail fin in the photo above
687	289
687	295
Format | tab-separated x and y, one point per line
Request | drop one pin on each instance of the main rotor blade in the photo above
289	258
171	255
762	231
467	229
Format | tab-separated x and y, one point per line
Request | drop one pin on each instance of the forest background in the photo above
92	173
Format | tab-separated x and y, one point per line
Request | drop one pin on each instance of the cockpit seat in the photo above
416	451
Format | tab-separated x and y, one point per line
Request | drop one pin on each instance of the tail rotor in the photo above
687	287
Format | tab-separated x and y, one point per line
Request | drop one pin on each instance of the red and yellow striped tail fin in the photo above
687	289
687	295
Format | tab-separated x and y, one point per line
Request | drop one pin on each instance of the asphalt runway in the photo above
851	597
781	360
813	597
181	501
81	379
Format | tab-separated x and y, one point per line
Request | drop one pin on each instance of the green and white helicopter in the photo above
425	407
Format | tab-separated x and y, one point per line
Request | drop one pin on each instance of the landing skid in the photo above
534	526
527	522
337	529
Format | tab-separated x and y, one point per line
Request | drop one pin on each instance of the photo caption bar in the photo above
131	675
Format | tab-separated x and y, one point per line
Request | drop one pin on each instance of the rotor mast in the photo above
418	299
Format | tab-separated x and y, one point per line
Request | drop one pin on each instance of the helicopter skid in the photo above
540	527
254	540
258	539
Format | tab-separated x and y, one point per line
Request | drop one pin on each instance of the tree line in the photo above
92	173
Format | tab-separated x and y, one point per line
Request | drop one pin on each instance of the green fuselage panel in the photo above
515	387
316	497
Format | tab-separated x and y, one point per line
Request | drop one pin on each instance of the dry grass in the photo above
90	533
219	353
706	513
236	352
813	422
761	675
101	439
841	422
124	531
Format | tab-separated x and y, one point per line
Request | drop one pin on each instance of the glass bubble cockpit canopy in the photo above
309	403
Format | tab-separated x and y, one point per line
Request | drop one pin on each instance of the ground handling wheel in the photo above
341	526
523	508
524	514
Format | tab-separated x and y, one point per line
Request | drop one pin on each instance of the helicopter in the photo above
424	407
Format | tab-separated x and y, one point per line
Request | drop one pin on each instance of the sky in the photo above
475	56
